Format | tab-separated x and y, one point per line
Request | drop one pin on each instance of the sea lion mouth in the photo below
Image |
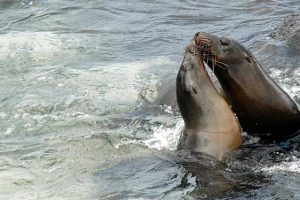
203	48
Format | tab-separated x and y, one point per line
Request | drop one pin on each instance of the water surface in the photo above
78	118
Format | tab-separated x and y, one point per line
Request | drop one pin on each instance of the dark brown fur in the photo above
262	107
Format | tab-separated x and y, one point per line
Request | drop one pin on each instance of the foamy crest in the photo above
165	138
293	166
38	44
126	141
162	138
289	84
9	130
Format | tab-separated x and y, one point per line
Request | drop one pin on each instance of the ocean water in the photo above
78	116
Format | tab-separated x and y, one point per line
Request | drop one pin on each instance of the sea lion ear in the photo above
248	58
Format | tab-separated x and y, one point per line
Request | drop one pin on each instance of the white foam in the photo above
168	109
125	142
287	83
165	138
162	138
293	166
276	72
39	45
3	115
9	130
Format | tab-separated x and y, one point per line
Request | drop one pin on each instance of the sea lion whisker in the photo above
221	63
194	49
209	56
217	63
221	66
213	62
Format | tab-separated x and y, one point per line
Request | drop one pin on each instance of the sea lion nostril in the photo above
224	42
203	43
204	46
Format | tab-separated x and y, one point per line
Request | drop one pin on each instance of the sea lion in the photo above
210	125
262	107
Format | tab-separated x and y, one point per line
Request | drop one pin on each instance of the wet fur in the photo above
210	125
262	107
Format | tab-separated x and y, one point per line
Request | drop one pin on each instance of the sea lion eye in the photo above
224	42
247	58
227	50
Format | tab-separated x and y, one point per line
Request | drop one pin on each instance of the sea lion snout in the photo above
210	45
202	42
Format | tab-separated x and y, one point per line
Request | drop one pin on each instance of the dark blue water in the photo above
78	118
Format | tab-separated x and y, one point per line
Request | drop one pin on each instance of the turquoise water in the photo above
78	118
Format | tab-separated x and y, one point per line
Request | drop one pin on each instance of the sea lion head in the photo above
262	107
190	81
235	67
222	53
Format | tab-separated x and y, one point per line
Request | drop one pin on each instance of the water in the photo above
77	101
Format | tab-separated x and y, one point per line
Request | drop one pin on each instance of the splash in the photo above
293	166
165	138
288	83
162	138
